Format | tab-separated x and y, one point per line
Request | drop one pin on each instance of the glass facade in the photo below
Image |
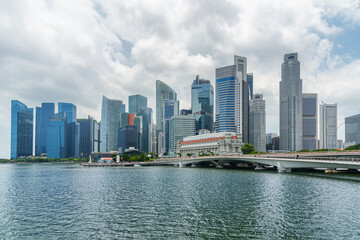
170	108
72	136
250	81
309	104
47	110
137	103
111	110
202	103
89	136
352	129
245	108
181	126
21	130
56	136
163	91
124	119
225	99
37	131
69	109
128	137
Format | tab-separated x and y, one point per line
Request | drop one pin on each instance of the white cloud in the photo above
75	51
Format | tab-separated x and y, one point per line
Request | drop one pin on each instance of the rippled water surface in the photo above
60	201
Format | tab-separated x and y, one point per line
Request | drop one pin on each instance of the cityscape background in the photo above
54	52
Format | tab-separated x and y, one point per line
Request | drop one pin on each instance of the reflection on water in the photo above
68	201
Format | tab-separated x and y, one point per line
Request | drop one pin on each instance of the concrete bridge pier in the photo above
181	165
282	169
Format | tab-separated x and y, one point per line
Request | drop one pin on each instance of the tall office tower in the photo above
56	136
185	112
228	91
290	104
352	129
72	128
138	122
328	126
257	123
124	107
137	103
270	136
170	108
245	108
43	115
309	121
22	119
110	123
146	115
128	137
89	136
202	103
181	126
163	91
250	81
124	119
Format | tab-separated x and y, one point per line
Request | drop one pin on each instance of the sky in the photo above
78	51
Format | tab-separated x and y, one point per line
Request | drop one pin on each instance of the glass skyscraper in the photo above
291	137
257	123
111	110
21	130
72	136
56	136
309	121
163	91
137	103
89	136
43	115
170	108
202	103
328	126
250	81
352	129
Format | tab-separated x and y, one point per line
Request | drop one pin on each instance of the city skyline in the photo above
117	61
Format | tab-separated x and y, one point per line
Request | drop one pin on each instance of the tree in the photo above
353	147
247	148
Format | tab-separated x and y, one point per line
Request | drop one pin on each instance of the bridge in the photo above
283	162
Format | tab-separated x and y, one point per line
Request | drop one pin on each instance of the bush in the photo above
247	148
353	147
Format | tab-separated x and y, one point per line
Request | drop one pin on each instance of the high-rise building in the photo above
245	108
270	136
352	129
56	136
229	97
124	119
138	122
89	136
163	91
328	126
180	126
185	112
21	130
43	115
202	103
146	133
250	81
257	123
128	137
290	104
72	128
309	103
110	123
137	103
170	108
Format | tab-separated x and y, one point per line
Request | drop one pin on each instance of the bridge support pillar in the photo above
282	169
181	165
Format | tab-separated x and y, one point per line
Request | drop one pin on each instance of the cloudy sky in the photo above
77	51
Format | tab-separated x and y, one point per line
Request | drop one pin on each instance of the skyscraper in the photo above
163	91
45	112
128	137
290	104
245	108
21	130
250	81
202	103
56	136
170	108
72	128
352	129
110	123
89	136
309	121
137	103
328	126
257	123
180	126
229	97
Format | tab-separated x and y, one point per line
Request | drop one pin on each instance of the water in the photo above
63	201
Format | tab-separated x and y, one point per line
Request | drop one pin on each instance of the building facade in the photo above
21	130
43	115
89	137
224	143
128	137
73	131
181	126
328	126
111	110
137	103
258	123
290	104
56	136
352	129
309	121
202	103
170	108
245	116
250	81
